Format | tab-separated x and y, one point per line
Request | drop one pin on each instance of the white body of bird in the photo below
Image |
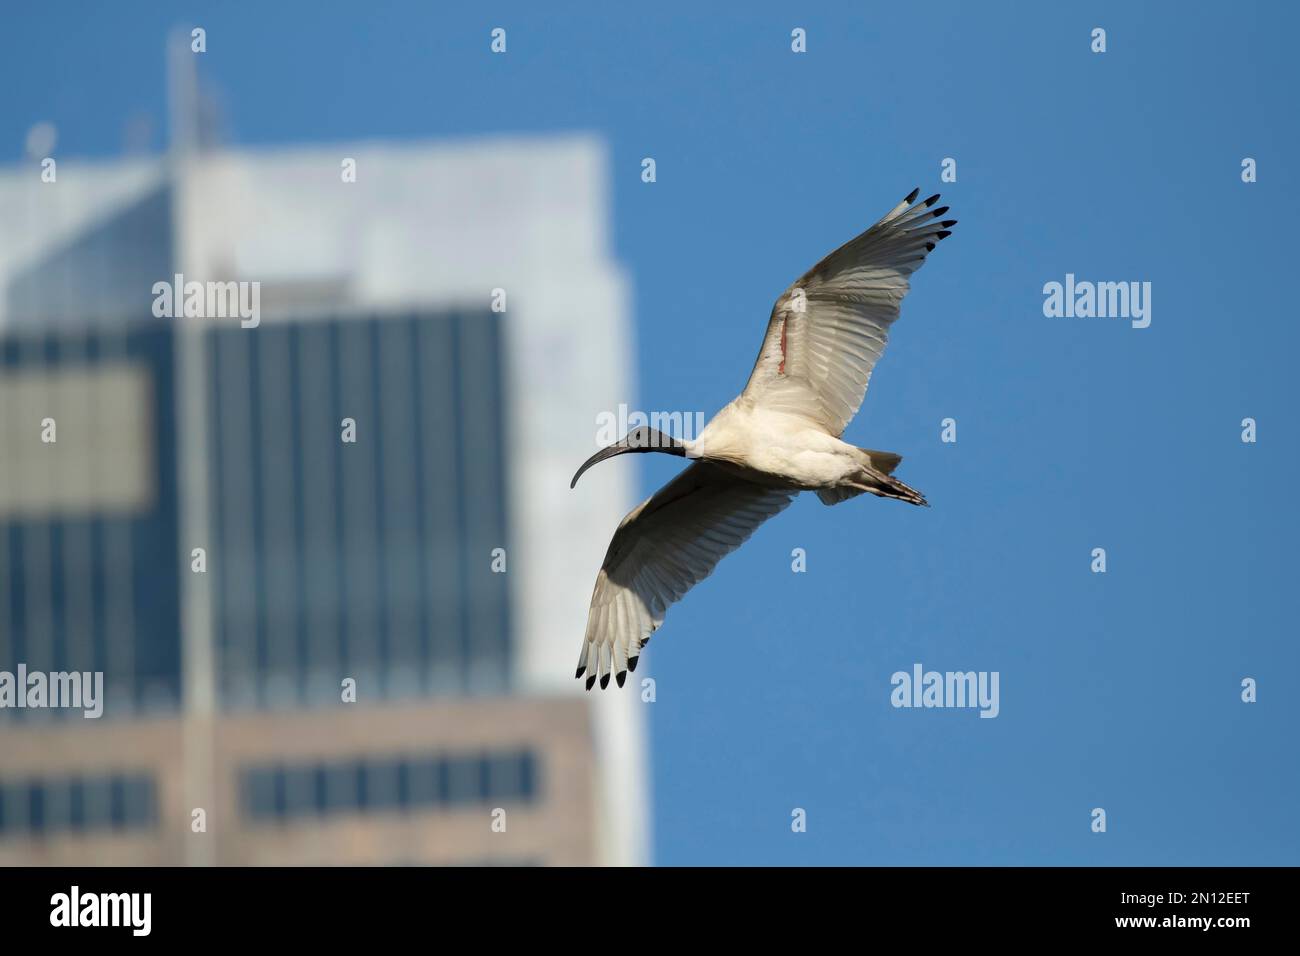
777	449
779	437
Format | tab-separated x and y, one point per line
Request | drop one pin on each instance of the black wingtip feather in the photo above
929	247
581	669
939	212
604	681
913	194
621	676
943	233
631	662
591	681
948	223
932	200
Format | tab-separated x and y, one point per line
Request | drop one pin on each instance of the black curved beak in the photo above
643	439
618	448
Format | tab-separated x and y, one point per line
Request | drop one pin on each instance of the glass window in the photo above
342	793
36	807
388	784
464	780
138	801
424	784
259	793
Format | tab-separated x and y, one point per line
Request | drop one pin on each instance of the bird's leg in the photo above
886	486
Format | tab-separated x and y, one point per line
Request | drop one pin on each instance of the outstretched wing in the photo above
828	329
663	548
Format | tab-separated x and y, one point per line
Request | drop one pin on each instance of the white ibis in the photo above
779	437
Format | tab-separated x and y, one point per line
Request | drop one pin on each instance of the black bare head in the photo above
641	439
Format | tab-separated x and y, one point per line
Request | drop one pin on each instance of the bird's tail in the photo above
883	461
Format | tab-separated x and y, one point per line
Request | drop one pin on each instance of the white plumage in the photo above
780	436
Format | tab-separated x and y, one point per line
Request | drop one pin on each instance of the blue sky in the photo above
1118	690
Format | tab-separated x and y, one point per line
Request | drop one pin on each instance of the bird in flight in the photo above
779	437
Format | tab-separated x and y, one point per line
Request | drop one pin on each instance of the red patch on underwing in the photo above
781	368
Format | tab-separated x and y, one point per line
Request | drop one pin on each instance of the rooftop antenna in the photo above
185	116
198	673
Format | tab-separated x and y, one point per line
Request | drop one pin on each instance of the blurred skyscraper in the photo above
202	532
